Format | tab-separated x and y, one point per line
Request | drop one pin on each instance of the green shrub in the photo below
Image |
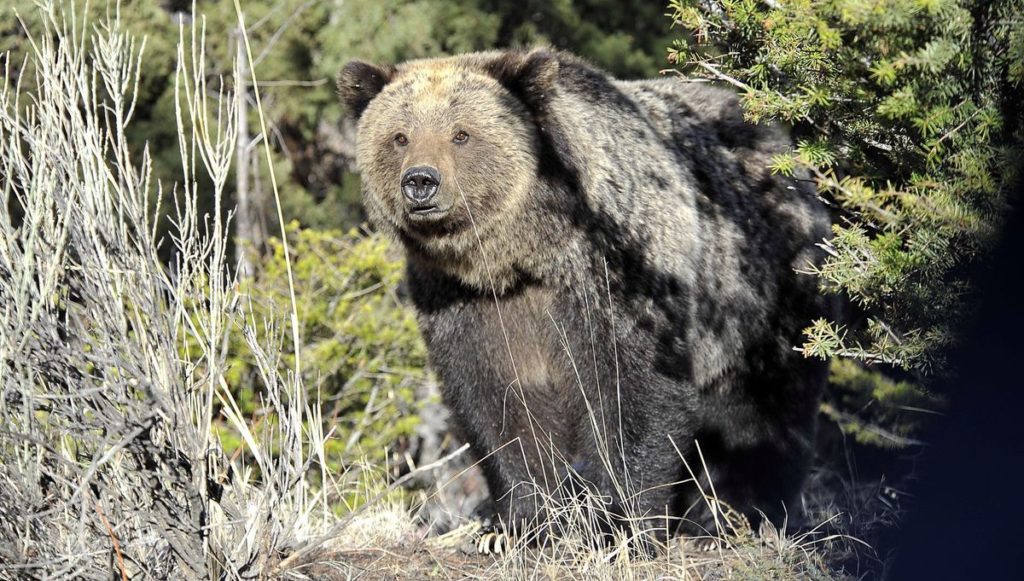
360	347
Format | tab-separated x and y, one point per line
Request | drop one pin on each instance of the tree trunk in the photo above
248	238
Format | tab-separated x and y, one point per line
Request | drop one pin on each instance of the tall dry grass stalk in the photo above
112	364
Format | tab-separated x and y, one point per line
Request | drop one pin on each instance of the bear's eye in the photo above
461	137
401	139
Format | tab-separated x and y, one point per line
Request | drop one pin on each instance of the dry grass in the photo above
825	550
841	519
113	363
387	539
112	378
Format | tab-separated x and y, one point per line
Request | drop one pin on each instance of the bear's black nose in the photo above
419	183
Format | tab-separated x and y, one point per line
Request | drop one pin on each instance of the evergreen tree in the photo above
908	119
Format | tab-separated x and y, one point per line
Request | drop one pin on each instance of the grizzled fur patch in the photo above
605	275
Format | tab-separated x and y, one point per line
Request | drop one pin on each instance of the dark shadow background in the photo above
965	522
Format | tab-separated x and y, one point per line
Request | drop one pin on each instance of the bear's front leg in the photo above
515	455
629	483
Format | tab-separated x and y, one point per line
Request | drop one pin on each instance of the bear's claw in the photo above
492	543
707	545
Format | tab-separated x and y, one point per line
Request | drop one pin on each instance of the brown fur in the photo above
486	181
614	255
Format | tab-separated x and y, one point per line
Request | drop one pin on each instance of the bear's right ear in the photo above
359	82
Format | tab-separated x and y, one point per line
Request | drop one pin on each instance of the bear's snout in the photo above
419	184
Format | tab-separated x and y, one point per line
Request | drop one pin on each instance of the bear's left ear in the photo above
359	82
531	76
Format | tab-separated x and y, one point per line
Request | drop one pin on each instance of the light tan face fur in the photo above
485	180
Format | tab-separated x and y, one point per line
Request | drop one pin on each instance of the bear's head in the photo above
448	148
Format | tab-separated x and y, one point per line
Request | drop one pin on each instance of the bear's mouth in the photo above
427	212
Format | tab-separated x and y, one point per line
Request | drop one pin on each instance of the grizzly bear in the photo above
606	276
